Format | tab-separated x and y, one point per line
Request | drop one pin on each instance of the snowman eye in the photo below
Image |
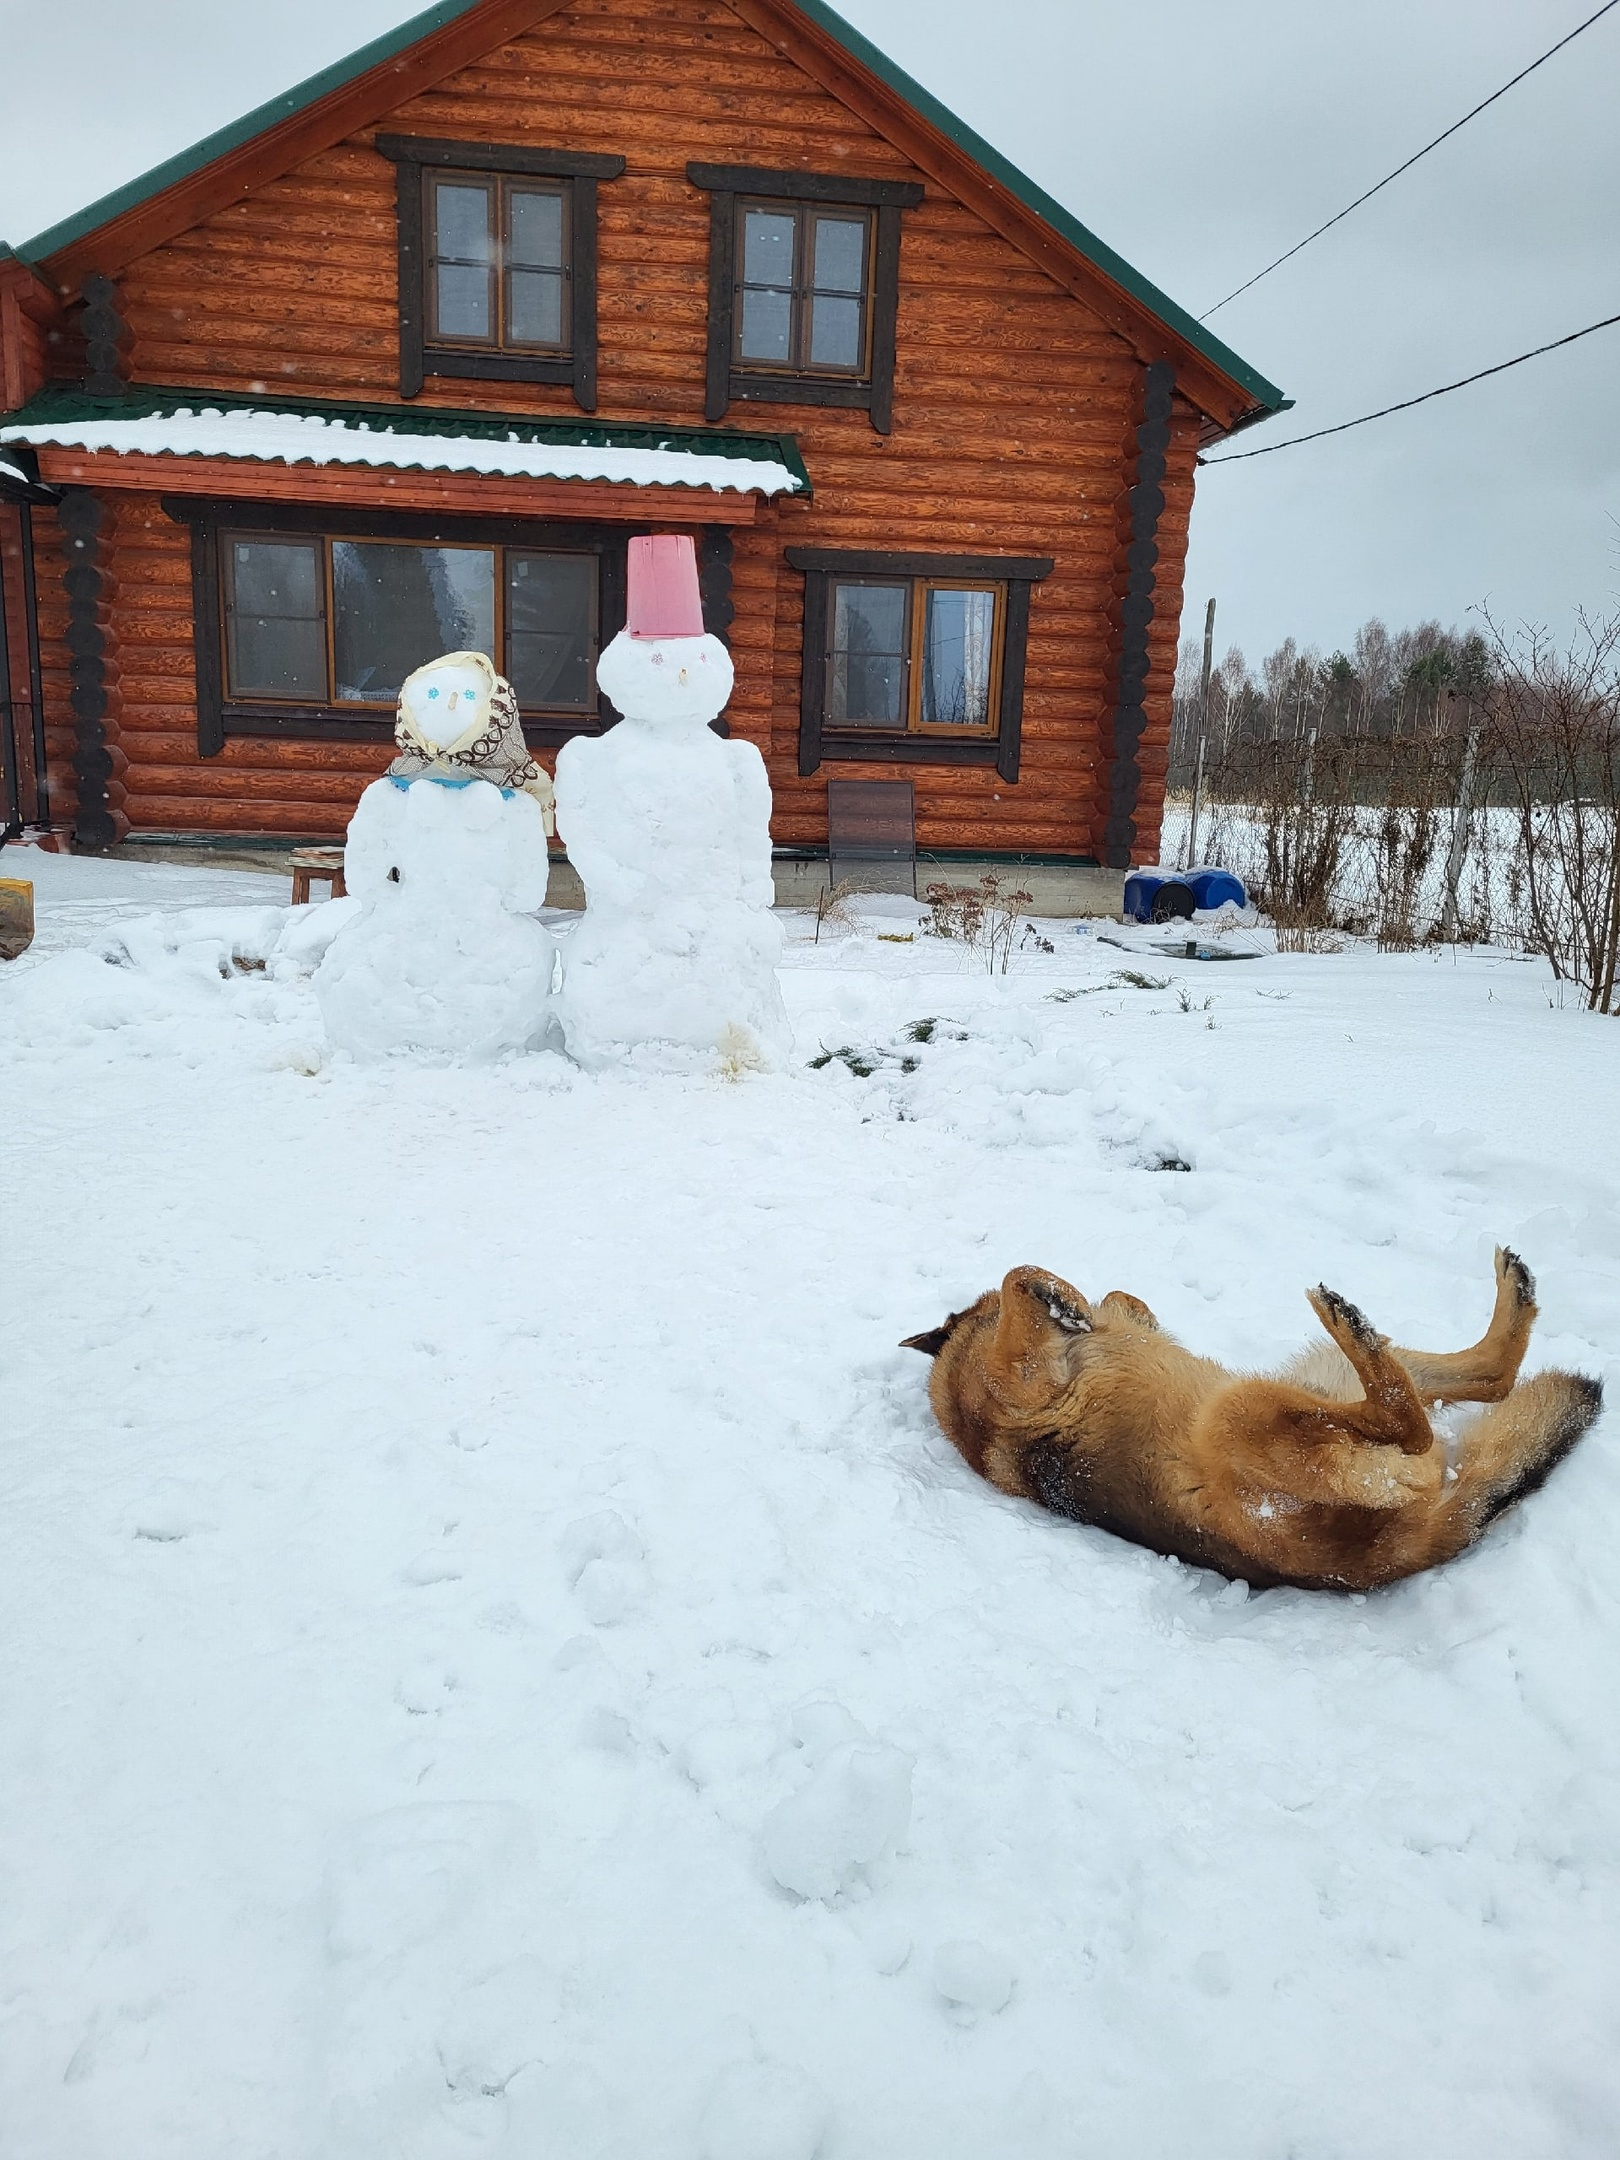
433	693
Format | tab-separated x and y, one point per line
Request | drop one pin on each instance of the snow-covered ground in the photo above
498	1658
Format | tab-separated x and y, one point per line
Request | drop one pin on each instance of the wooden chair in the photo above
872	835
317	862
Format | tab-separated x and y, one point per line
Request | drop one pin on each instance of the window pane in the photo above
840	255
866	674
835	332
535	234
461	222
274	577
550	613
768	247
956	659
463	296
534	301
276	629
767	325
395	607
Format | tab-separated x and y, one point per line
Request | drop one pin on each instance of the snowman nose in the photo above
683	674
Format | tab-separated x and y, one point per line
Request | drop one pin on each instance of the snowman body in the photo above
444	954
668	825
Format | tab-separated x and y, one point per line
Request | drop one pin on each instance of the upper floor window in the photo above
497	262
805	288
804	285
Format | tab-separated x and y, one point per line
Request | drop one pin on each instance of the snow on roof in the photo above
264	436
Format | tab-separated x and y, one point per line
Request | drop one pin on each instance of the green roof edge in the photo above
281	107
860	48
61	403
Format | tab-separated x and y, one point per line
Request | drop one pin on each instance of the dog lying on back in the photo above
1326	1476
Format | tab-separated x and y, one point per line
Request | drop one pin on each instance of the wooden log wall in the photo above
1012	402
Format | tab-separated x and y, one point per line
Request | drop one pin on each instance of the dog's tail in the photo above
1516	1445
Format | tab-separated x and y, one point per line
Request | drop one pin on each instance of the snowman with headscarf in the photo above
446	855
669	826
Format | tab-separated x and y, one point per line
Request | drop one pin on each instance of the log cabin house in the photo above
396	364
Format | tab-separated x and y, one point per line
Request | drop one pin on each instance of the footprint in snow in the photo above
426	1690
602	1561
973	1982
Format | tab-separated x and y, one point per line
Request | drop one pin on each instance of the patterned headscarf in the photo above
458	720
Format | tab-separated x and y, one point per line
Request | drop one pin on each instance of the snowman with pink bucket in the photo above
669	825
672	966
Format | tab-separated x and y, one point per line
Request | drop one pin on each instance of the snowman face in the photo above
683	681
444	699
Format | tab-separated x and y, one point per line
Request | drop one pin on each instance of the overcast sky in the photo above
1199	142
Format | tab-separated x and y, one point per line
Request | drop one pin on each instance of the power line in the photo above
1411	161
1406	404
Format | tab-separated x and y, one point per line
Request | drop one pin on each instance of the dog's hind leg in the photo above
1487	1371
1041	1322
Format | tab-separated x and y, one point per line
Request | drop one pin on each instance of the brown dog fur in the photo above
1326	1476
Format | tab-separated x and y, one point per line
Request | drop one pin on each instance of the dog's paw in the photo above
1059	1301
1513	1276
1345	1322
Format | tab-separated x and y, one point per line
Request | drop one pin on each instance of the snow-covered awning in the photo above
281	431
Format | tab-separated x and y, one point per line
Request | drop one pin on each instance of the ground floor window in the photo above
309	620
342	622
914	657
913	654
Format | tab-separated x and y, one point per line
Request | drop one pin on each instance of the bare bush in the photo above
1555	723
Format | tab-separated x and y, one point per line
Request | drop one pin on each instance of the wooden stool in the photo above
317	862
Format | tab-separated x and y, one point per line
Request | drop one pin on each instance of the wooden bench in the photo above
317	862
872	835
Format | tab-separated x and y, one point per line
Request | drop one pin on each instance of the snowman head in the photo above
445	705
678	681
662	666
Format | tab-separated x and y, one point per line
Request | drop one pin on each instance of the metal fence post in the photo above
1203	736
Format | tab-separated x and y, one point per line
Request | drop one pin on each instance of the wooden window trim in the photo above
1015	574
727	382
413	157
219	717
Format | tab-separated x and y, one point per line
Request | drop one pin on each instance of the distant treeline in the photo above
1366	782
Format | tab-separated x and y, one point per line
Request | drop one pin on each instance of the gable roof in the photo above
384	74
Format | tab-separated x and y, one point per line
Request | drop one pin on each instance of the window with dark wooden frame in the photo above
307	621
914	658
804	287
497	262
340	622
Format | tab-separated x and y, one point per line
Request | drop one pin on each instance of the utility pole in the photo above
1203	736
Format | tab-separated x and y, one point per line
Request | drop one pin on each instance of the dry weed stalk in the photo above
983	917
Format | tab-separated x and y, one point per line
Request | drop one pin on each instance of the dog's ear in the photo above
935	1340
